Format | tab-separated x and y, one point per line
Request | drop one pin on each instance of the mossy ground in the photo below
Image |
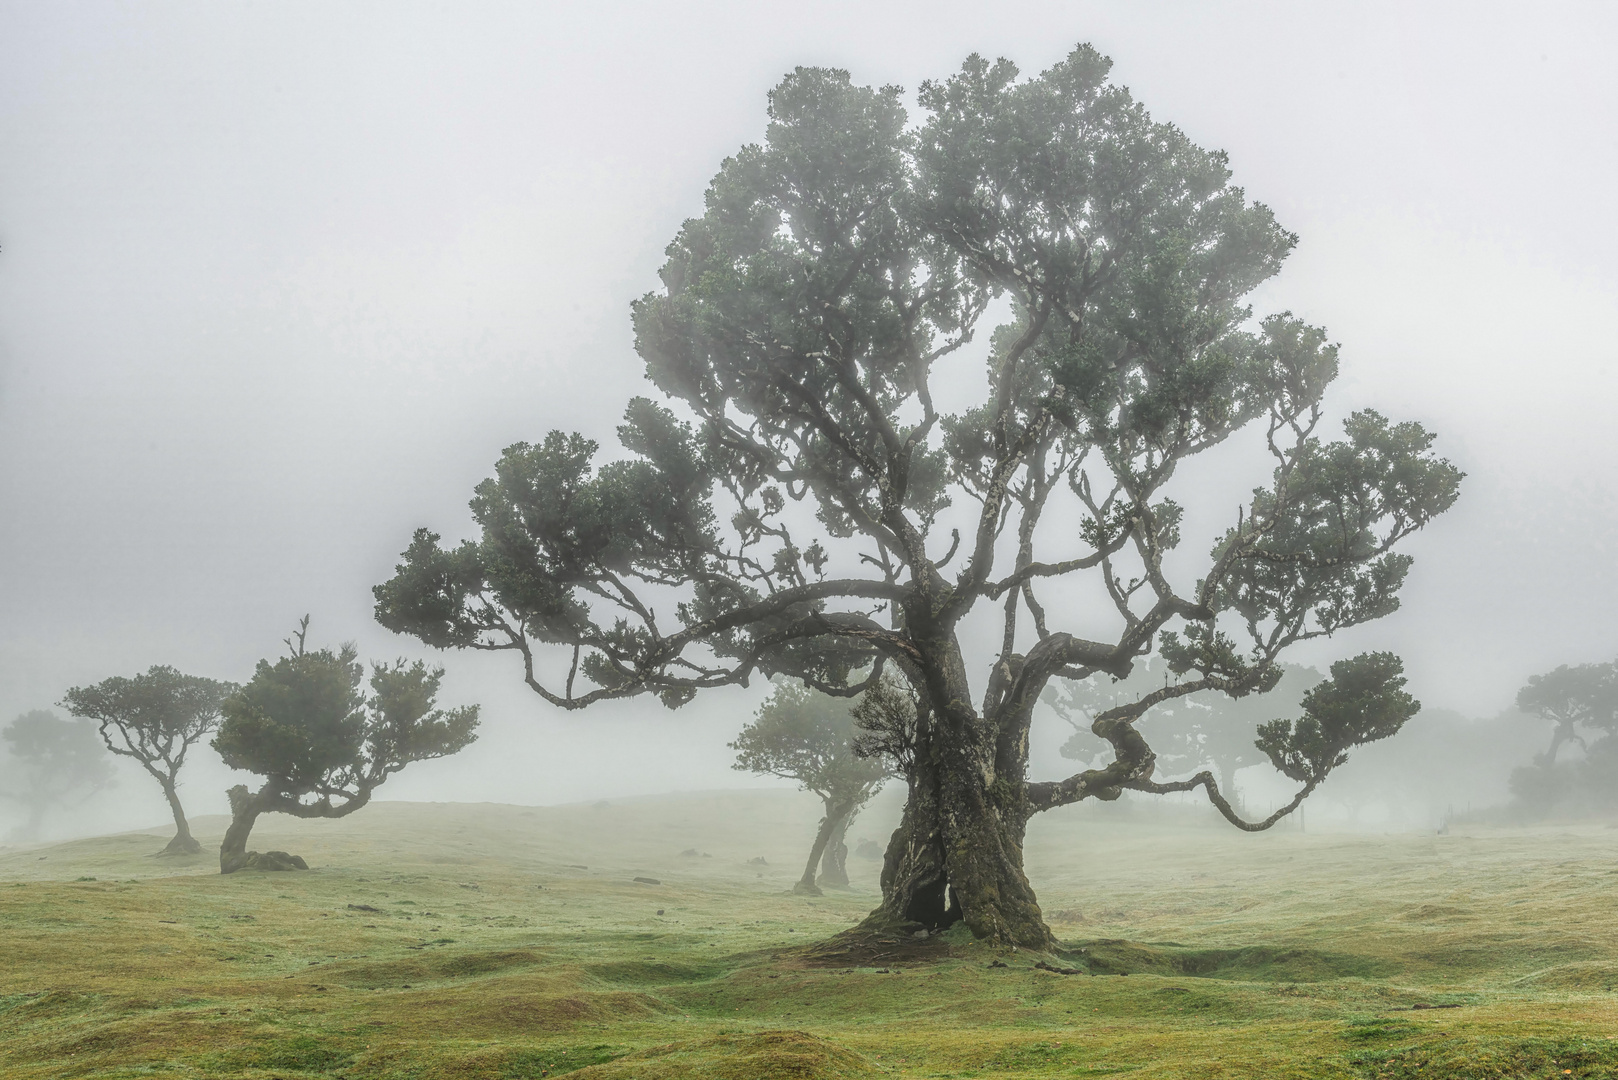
499	942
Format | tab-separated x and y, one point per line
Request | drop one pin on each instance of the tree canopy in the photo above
802	505
157	718
323	745
1571	698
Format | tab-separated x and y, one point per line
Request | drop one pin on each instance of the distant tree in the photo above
1581	704
157	718
1207	729
1572	698
307	727
808	323
810	737
52	762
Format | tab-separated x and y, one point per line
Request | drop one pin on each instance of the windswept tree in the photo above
50	762
1573	698
155	718
323	746
1208	729
806	322
810	737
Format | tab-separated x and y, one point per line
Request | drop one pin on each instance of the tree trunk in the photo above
834	863
183	843
836	814
244	811
957	854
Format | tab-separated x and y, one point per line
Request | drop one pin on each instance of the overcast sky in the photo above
279	281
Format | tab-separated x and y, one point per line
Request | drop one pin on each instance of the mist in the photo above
278	284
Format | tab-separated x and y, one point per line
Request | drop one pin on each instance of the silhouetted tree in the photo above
1205	729
51	762
807	736
1579	702
802	324
307	727
1572	698
158	717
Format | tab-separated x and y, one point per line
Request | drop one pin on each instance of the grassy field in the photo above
502	942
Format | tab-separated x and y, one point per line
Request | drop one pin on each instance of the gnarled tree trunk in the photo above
957	854
245	807
183	843
834	862
244	811
835	821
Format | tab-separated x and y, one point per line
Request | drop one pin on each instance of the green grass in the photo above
498	942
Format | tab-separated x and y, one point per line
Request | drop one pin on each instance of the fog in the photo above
279	282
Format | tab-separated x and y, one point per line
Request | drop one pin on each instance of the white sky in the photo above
279	281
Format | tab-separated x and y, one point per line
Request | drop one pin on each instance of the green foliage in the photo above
158	716
1363	701
810	737
307	726
834	264
1323	561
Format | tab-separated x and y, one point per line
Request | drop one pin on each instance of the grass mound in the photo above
1585	977
765	1055
1491	1059
1253	963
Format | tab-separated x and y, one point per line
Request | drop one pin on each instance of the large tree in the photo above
323	746
50	762
808	323
157	718
804	735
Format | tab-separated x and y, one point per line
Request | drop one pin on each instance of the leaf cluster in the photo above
158	715
1364	700
810	737
306	724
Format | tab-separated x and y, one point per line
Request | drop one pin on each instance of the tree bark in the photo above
246	806
183	843
957	854
834	862
244	812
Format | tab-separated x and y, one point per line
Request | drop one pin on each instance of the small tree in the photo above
323	746
52	762
1572	698
1206	729
157	718
805	322
810	737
